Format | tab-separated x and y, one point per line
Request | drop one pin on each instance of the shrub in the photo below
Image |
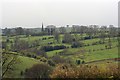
100	42
78	62
86	38
43	59
88	44
44	38
93	50
51	63
21	73
63	41
50	37
33	56
89	50
4	45
26	70
63	71
102	49
41	53
38	71
94	43
50	42
7	40
47	48
85	71
57	59
83	62
28	55
77	44
59	47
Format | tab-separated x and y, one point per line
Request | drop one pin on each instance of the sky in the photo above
31	13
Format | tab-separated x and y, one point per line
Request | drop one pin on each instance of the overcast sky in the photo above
31	13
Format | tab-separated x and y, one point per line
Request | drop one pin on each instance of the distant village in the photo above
50	29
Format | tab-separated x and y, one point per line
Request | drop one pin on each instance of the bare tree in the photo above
103	33
7	32
67	38
19	45
112	31
89	31
8	62
57	36
19	31
62	30
95	29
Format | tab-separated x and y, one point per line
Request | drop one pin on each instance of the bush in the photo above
63	41
7	40
63	71
85	71
51	63
4	45
44	38
94	43
47	48
59	47
21	73
89	50
41	53
74	45
93	50
77	44
50	37
100	42
106	47
86	38
83	62
28	55
43	59
38	71
26	70
57	59
50	42
78	62
33	56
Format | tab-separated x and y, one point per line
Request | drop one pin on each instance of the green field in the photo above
22	64
87	53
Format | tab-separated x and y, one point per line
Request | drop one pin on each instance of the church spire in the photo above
42	27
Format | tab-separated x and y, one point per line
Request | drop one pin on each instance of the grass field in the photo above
87	53
22	64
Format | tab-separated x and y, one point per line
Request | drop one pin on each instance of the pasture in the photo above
87	53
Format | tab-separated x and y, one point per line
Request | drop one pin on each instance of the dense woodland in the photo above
65	52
